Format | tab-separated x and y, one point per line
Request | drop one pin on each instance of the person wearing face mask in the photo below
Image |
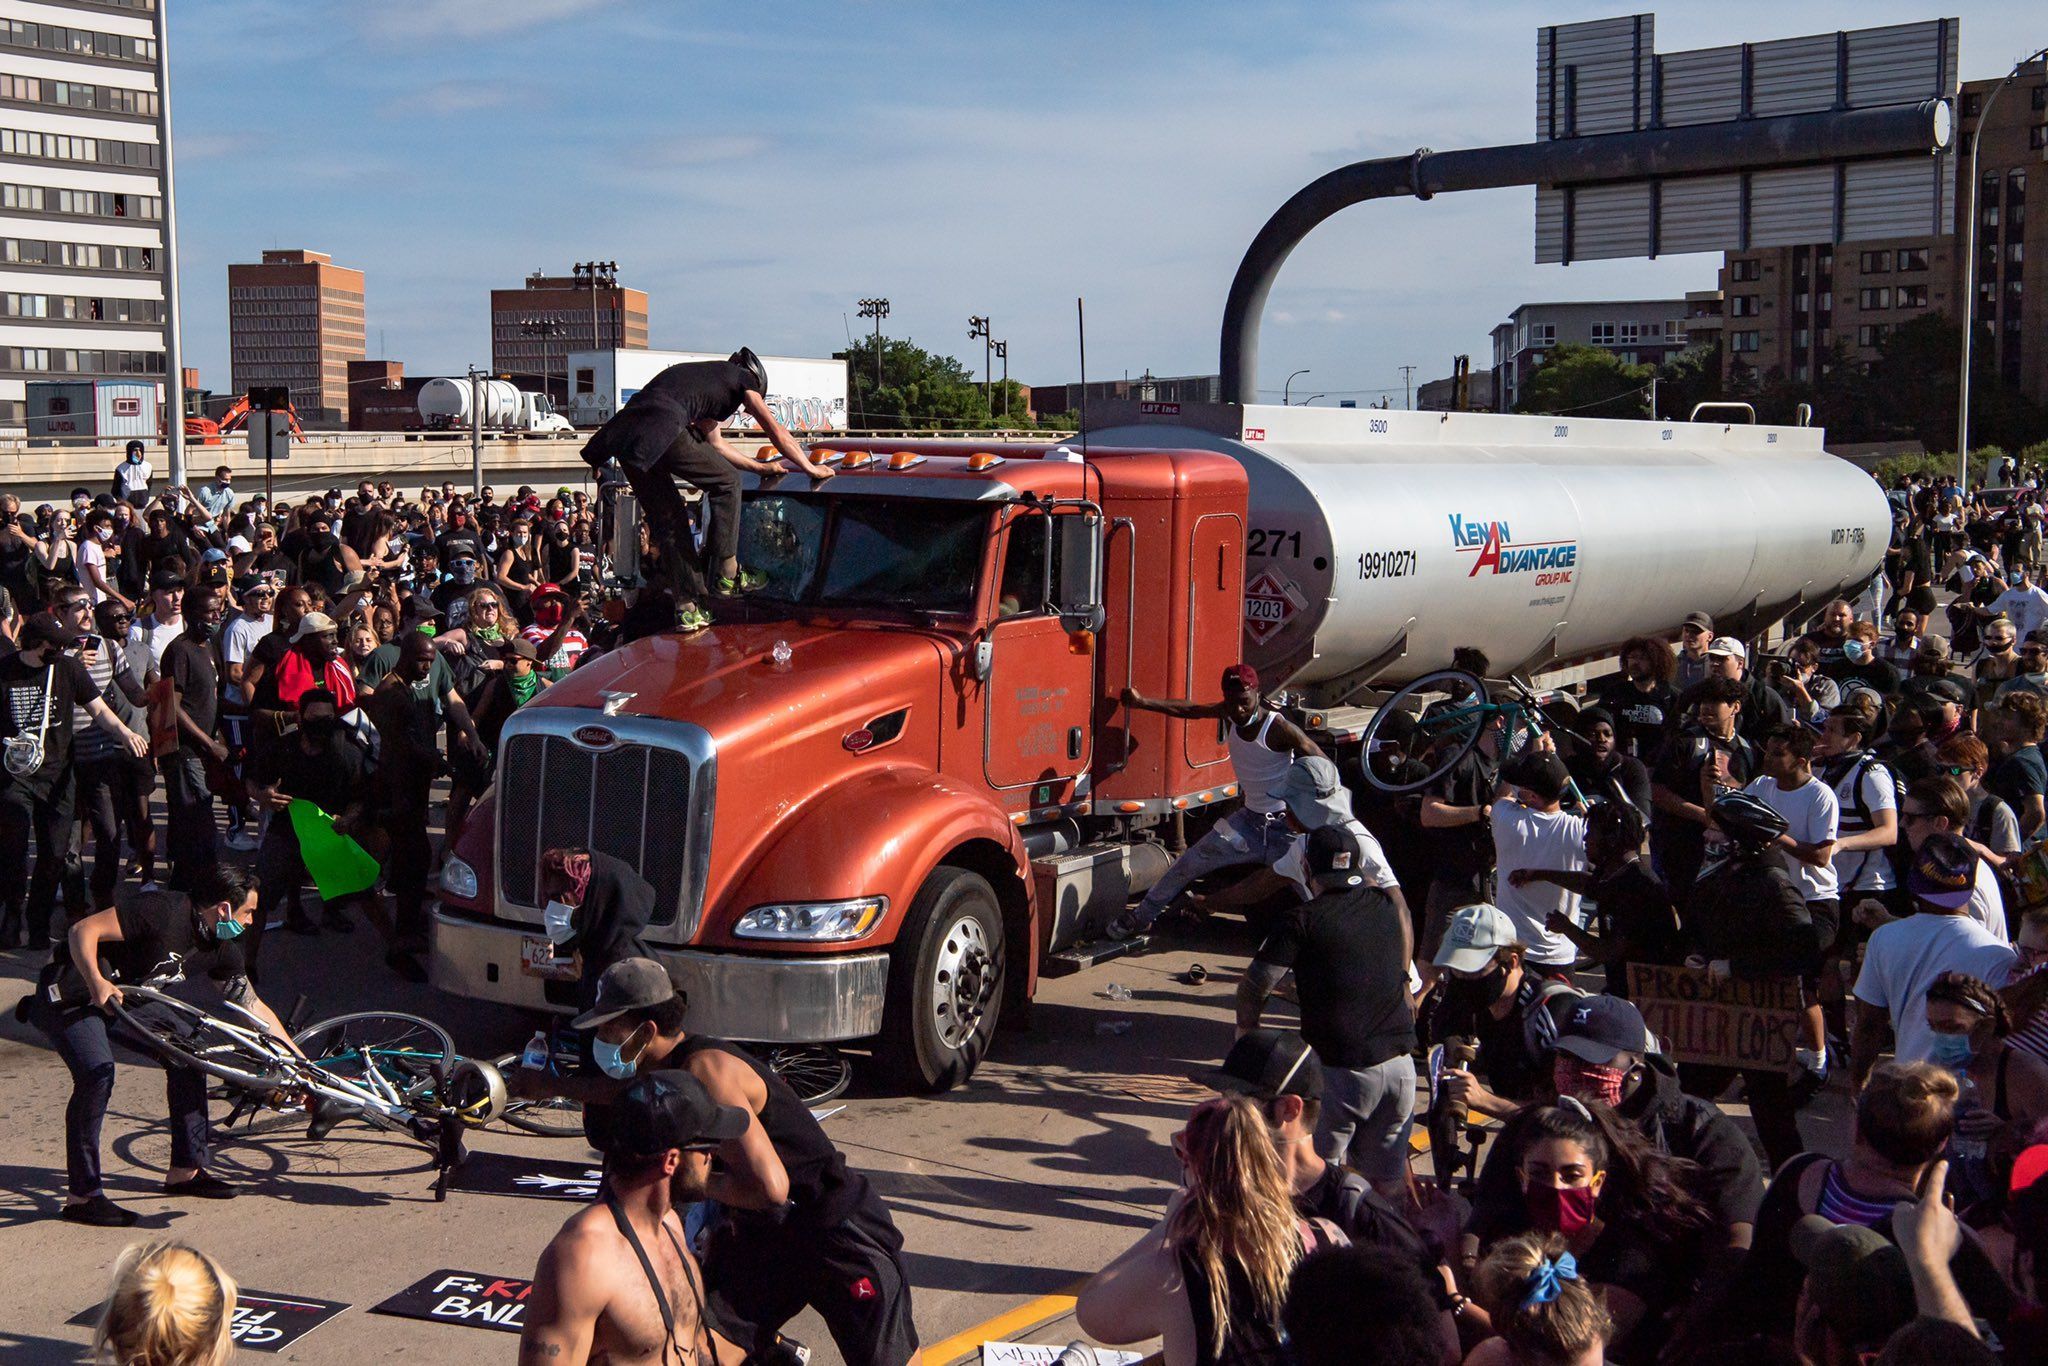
517	568
2024	602
1996	662
1860	667
2033	669
43	686
195	686
597	909
1633	918
326	559
2004	1090
148	934
1485	993
1810	694
1631	1217
132	476
1607	1056
452	596
555	632
324	763
800	1226
1829	637
93	570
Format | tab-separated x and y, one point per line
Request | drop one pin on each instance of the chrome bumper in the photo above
754	1000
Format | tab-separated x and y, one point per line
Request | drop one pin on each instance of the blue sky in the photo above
758	168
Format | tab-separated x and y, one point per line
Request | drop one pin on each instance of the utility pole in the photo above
878	309
977	326
476	431
1968	303
174	359
1407	394
1003	354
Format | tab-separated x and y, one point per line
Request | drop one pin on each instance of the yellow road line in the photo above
998	1329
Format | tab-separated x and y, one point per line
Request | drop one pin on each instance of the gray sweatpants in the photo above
1241	838
1367	1114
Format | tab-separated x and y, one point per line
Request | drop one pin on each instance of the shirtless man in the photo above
1263	745
618	1283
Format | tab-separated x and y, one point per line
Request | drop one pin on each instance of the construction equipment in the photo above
208	431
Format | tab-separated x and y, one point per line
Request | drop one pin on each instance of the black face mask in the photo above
1476	994
322	728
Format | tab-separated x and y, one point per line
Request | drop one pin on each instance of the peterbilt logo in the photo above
595	737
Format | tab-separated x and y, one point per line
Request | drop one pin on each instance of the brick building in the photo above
296	319
534	329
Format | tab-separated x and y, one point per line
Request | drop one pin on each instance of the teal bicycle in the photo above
1452	709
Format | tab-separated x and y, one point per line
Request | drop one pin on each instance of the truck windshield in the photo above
908	553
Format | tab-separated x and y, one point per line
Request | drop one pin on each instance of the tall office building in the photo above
534	329
1790	309
296	319
81	194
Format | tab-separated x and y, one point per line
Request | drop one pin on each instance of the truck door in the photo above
1040	695
1215	642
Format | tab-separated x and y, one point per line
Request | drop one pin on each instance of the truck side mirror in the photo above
1078	594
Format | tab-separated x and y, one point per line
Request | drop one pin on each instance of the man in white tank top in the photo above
1263	745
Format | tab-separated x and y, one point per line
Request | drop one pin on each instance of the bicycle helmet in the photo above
751	363
475	1092
1749	821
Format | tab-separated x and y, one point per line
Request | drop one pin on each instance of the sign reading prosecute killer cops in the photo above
1750	1023
464	1297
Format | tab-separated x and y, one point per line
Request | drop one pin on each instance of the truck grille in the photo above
632	802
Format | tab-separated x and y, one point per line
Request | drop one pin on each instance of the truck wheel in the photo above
945	984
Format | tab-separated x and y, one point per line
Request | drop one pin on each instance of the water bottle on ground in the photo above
534	1057
1118	992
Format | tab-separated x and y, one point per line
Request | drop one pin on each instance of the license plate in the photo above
537	959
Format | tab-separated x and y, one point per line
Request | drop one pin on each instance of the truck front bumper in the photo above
754	1000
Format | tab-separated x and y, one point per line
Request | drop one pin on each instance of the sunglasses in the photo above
1956	770
1905	815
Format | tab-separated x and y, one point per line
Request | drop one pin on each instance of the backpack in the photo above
1897	853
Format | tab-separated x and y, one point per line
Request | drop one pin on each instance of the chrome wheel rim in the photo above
963	982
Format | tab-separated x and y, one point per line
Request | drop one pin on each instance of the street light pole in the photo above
1969	299
1407	393
1288	387
878	309
977	326
1003	354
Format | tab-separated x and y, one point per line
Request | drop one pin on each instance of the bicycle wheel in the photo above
816	1072
1453	705
385	1052
555	1117
182	1033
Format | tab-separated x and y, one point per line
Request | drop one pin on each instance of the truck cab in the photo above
879	790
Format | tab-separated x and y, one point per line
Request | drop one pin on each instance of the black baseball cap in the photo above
1270	1062
44	629
1334	857
1541	772
629	984
166	581
664	1110
1599	1027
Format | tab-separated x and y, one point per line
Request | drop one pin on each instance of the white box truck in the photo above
805	394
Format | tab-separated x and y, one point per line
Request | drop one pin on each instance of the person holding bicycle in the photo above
148	935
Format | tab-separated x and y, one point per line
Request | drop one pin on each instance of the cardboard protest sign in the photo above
1040	1354
263	1322
540	1178
1750	1023
471	1298
340	867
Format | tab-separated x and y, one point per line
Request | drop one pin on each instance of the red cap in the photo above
1241	678
2031	1167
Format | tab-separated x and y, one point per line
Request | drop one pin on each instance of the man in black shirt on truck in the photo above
668	430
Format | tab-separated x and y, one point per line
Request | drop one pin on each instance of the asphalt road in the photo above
1009	1191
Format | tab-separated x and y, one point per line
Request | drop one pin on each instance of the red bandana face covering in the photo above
1588	1081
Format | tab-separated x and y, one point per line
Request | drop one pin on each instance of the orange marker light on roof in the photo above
858	460
984	460
903	460
827	457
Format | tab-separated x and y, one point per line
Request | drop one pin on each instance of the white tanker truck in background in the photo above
445	406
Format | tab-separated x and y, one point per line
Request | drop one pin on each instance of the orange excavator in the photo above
209	432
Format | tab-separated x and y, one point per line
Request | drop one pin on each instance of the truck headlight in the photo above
458	879
815	921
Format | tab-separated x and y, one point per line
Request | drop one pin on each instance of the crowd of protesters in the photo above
1844	823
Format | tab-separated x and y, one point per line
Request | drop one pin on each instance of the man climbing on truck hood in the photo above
1263	744
669	430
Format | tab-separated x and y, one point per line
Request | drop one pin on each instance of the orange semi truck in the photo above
879	794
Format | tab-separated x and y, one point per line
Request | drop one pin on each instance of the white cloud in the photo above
445	99
429	22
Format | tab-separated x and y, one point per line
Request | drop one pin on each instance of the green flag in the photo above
340	867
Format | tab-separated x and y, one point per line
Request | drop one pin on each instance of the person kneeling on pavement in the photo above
796	1225
148	935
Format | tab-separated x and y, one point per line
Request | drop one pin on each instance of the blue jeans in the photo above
81	1038
1243	837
